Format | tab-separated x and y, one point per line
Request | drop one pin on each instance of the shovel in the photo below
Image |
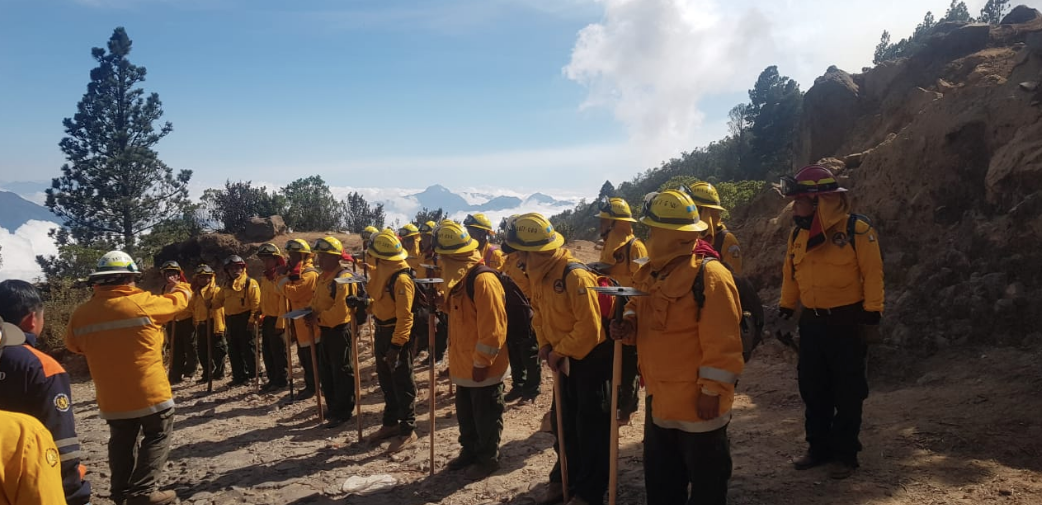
355	279
297	314
430	282
620	293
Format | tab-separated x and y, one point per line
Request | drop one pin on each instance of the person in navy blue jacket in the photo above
33	383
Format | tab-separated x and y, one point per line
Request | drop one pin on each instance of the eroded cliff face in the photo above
943	151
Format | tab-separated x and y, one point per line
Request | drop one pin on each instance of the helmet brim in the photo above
556	243
605	215
709	206
107	273
392	257
816	193
470	247
695	227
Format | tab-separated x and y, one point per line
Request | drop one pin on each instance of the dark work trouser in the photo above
304	355
220	350
336	371
274	351
183	360
136	466
673	459
525	371
480	414
833	384
241	347
629	388
398	386
587	424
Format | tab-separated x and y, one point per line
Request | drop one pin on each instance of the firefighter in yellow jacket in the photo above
30	473
567	324
522	346
390	297
240	297
183	359
621	249
333	317
430	259
833	268
205	289
690	357
120	331
298	288
410	237
272	308
723	241
480	227
476	308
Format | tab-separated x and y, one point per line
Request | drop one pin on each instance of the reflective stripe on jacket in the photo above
478	332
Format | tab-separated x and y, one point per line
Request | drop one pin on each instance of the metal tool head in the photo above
619	291
429	267
641	261
352	279
428	280
297	314
599	267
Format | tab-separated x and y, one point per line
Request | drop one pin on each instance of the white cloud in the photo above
21	247
658	64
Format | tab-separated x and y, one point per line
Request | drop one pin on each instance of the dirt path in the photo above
966	430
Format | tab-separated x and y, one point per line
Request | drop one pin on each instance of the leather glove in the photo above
391	357
479	374
356	302
785	313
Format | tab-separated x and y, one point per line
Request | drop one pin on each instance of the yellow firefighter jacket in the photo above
30	468
298	294
683	351
620	256
240	295
477	330
120	331
200	312
566	314
393	310
328	301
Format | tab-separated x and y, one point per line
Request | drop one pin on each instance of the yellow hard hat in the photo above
114	263
705	195
478	221
408	230
428	227
615	209
671	210
451	238
329	245
386	246
298	245
269	249
533	232
369	231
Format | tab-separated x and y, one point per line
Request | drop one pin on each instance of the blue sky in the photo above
550	95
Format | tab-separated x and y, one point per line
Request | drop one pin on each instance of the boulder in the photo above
259	229
279	224
1021	14
830	110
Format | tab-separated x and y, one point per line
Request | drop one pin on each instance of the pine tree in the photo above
114	186
993	11
310	206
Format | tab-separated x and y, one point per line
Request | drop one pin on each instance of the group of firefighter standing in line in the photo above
683	335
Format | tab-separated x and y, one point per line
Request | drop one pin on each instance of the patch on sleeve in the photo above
61	402
52	456
871	238
582	290
735	251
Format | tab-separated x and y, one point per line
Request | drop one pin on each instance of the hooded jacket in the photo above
493	257
616	253
240	295
272	304
566	316
683	351
328	300
120	331
730	251
477	328
200	312
298	294
832	274
394	310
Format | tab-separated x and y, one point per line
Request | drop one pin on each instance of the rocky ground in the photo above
964	429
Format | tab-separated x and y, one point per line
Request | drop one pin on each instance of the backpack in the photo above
519	310
752	321
420	301
605	301
718	240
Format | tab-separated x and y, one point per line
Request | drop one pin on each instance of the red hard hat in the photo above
811	180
